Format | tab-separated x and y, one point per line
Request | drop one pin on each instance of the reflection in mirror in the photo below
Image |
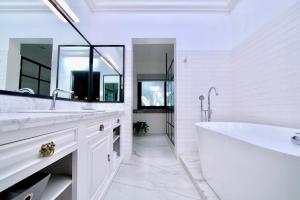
31	60
96	77
109	64
111	87
28	49
73	71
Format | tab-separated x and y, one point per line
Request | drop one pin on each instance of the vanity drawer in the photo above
23	158
97	127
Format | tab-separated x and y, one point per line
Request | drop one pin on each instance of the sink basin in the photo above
60	111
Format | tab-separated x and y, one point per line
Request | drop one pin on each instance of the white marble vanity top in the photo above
16	121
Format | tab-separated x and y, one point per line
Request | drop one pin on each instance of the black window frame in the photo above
139	93
38	79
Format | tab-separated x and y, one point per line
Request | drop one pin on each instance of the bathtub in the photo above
242	161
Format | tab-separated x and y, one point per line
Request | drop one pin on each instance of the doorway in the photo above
154	87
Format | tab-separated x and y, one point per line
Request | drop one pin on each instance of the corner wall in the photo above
266	79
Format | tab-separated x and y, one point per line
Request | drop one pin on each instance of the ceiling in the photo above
130	5
162	5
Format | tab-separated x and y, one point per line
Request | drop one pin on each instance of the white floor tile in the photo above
153	173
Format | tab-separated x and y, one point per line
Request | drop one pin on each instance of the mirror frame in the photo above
90	83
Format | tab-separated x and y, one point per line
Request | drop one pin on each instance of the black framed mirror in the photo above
95	73
29	57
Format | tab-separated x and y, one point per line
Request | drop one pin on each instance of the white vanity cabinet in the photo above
98	165
84	147
21	159
98	156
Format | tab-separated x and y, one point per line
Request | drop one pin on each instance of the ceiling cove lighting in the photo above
61	9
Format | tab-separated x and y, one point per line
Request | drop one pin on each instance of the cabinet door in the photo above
98	153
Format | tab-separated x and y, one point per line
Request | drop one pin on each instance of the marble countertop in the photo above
17	121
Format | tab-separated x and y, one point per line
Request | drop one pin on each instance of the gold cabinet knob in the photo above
47	149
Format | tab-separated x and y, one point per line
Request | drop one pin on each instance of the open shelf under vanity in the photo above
57	187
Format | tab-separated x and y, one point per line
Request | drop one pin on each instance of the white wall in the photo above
193	31
13	61
155	121
266	80
250	16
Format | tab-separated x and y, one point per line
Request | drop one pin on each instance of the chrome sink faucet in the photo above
209	103
54	95
26	90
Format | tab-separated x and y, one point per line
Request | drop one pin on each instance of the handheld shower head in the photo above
201	97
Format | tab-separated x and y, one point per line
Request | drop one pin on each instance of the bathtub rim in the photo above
284	146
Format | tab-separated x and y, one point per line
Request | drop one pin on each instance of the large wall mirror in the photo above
40	52
94	73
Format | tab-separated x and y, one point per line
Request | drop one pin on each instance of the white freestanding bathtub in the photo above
242	161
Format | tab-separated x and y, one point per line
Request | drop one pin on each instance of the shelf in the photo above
116	138
56	186
141	111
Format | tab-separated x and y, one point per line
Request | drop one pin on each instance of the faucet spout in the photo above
54	96
209	114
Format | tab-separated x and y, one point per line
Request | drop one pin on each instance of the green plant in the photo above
140	128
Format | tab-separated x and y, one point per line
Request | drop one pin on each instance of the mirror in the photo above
94	73
40	52
29	40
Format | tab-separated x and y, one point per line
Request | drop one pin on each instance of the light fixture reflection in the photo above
58	6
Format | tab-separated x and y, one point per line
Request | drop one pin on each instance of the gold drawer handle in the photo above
47	149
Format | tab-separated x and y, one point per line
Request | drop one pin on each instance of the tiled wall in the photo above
267	73
202	70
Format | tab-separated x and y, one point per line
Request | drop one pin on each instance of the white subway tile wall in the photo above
266	80
202	70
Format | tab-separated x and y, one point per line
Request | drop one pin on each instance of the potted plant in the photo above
140	128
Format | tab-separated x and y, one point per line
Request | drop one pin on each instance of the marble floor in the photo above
153	173
192	164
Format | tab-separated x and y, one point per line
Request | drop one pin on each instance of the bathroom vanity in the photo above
80	149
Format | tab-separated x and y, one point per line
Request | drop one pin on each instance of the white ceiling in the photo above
162	5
